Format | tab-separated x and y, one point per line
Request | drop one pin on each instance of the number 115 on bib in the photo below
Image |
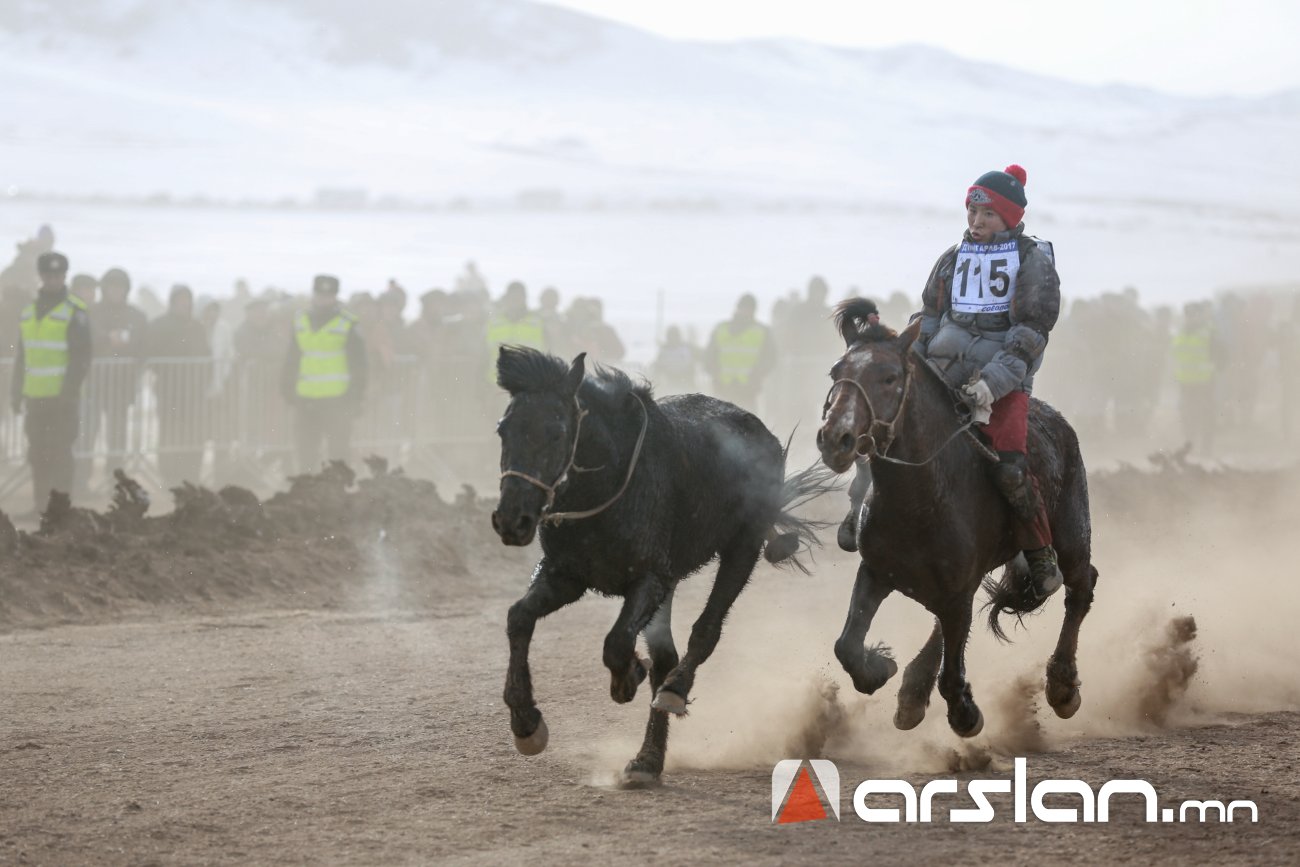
984	279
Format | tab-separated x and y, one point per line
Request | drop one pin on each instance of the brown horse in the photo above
937	525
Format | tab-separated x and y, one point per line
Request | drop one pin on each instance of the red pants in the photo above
1008	429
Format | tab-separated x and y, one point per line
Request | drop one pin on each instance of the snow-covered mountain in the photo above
438	98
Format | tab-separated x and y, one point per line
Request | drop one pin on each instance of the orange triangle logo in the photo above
803	805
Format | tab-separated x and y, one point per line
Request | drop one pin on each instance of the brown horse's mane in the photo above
851	320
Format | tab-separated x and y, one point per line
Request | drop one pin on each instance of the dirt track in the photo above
376	734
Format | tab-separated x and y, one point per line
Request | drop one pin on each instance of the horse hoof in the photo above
781	548
975	729
847	535
908	716
669	702
891	668
1069	708
534	743
637	779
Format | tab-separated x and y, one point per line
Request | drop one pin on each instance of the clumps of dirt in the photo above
1012	729
8	537
1170	664
130	502
1018	730
822	718
330	541
964	758
1157	500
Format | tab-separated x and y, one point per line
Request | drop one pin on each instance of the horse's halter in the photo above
556	517
564	473
868	444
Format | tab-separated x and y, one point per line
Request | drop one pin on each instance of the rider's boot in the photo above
847	537
1013	480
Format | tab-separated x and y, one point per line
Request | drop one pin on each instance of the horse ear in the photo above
910	333
576	372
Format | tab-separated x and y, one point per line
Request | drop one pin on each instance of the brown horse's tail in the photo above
1011	594
790	533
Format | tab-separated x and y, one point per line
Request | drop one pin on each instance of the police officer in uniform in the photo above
739	356
513	324
1197	355
324	376
53	359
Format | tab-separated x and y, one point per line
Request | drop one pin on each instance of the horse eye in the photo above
891	379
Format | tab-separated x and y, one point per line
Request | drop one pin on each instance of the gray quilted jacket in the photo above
1005	349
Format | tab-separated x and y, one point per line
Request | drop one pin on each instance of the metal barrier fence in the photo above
168	420
217	422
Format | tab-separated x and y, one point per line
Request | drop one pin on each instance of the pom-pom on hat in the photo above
1002	191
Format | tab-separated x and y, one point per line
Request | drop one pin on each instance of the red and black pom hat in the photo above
1002	191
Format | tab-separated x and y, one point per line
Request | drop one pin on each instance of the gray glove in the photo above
980	398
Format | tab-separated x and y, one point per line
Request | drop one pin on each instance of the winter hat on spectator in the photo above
51	264
325	284
1002	191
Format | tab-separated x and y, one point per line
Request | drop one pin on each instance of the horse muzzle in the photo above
514	527
838	445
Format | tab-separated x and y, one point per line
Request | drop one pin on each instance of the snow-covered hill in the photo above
438	98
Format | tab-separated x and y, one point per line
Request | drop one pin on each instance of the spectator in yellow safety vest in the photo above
1196	358
53	359
739	356
324	376
513	324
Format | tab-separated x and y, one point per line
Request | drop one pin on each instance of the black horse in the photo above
937	525
631	495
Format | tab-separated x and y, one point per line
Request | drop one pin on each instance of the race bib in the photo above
984	280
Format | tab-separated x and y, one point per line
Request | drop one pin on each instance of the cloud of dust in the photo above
1171	663
1192	621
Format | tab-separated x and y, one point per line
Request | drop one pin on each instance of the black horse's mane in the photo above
523	370
851	319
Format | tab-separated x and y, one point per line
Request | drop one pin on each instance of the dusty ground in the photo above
355	716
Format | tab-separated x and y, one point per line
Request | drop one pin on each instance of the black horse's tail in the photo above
790	533
1011	594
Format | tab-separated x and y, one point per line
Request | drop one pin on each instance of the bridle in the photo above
556	517
874	448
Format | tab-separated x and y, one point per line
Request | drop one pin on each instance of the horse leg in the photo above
918	682
964	715
1062	673
547	592
626	671
868	668
649	762
734	568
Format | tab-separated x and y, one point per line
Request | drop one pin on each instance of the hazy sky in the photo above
1204	47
